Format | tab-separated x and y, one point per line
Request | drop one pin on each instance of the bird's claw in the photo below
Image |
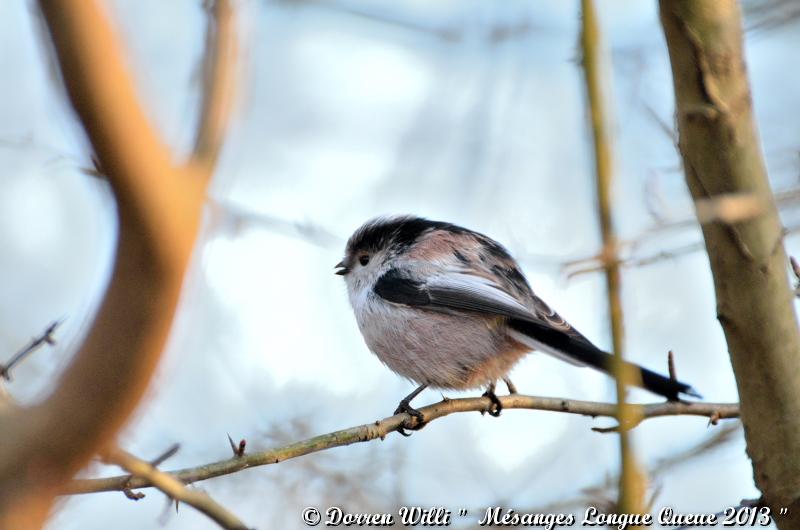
405	408
496	407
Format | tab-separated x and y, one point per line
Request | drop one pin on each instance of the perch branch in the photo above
380	429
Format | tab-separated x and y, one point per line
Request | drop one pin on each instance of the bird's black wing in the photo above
542	329
456	290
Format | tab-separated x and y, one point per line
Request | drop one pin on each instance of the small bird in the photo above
449	308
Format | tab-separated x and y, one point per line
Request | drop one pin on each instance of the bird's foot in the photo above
496	407
405	408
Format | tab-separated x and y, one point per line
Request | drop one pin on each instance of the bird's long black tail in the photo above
576	348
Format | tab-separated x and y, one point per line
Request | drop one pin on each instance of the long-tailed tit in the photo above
449	308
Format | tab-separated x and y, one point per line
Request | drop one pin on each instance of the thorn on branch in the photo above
796	270
606	430
238	450
673	375
713	419
45	338
95	169
157	461
752	503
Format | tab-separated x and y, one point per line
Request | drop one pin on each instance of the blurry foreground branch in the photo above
174	488
380	429
158	208
632	482
218	87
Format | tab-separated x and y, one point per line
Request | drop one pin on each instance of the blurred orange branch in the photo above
158	207
218	87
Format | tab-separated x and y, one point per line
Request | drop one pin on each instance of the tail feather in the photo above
578	350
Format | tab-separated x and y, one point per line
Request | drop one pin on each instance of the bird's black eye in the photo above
363	259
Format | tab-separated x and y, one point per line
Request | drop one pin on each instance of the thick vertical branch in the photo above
632	480
721	154
158	208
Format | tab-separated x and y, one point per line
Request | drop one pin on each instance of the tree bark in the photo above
722	155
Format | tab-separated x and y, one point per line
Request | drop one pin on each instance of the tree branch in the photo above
175	489
158	209
632	483
721	154
218	87
380	429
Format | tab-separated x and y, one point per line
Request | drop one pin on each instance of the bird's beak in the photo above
342	268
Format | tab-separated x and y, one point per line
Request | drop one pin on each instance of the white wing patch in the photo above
467	291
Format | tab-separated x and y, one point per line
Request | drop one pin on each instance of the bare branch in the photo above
234	218
632	477
595	263
380	429
45	338
175	489
593	494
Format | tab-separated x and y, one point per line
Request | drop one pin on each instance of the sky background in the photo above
466	111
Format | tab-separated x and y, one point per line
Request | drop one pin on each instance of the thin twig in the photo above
380	429
44	338
169	453
175	489
591	494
